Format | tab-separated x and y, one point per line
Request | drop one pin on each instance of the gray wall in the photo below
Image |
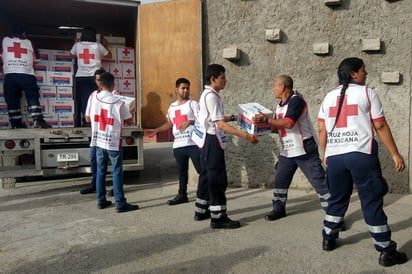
303	23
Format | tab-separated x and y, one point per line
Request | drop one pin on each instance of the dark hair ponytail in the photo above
346	67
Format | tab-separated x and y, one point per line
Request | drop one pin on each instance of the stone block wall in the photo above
351	28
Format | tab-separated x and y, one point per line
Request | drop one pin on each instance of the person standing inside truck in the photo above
181	118
108	115
89	54
18	55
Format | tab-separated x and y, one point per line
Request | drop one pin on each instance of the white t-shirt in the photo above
18	56
89	55
178	114
107	114
354	129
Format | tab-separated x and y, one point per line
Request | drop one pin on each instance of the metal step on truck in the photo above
64	150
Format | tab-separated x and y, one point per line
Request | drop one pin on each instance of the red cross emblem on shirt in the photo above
103	120
347	110
17	50
179	119
86	56
126	52
281	131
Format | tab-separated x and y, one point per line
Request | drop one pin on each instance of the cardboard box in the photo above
126	85
45	54
55	78
66	120
247	112
64	93
61	56
130	102
60	106
125	55
41	65
4	121
52	120
3	108
128	71
40	77
61	66
116	70
118	41
113	59
47	92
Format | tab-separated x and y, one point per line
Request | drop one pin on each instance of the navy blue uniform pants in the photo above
84	87
14	85
364	171
182	156
212	179
312	168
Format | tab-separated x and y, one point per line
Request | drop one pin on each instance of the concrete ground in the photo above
48	227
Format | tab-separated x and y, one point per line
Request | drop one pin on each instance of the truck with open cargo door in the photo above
64	149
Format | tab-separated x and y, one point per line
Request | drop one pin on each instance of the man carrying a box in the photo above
209	134
18	56
299	146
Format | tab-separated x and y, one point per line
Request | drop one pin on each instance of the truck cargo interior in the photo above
42	19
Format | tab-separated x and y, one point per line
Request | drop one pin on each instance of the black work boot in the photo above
392	258
275	215
179	199
41	124
224	223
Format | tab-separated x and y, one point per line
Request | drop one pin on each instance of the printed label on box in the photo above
61	106
41	66
40	77
45	54
61	66
47	92
59	78
62	56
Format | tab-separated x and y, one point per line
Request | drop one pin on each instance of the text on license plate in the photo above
68	157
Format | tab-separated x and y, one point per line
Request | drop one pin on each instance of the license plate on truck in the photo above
68	157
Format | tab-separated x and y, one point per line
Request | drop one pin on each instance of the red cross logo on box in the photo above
103	120
347	110
179	119
129	71
126	84
116	71
282	131
126	52
17	50
86	56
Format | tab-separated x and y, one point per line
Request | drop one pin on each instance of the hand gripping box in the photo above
247	112
130	102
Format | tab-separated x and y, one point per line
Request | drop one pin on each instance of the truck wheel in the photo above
8	182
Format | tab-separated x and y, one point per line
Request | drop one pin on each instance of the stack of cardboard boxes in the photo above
54	73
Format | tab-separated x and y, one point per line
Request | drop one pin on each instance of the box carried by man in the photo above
247	112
